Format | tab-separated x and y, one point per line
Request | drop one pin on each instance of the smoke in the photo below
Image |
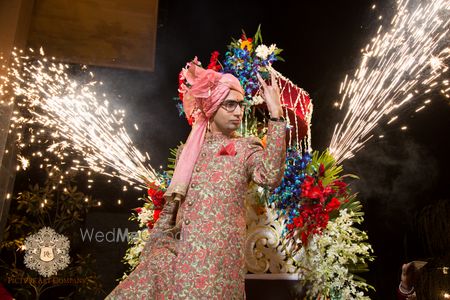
150	111
395	176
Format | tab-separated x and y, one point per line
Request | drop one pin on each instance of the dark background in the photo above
321	40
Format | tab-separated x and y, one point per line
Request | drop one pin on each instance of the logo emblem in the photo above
47	252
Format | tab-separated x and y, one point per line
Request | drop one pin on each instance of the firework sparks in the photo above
24	162
73	121
408	57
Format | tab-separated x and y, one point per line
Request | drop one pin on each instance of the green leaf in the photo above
332	171
277	51
257	38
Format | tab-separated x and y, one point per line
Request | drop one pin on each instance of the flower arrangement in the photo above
313	203
286	196
320	212
247	57
332	257
310	192
149	213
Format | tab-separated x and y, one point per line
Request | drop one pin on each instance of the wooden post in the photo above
15	17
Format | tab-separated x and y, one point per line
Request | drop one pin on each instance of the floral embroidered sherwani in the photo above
207	262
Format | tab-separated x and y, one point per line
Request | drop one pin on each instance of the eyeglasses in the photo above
230	105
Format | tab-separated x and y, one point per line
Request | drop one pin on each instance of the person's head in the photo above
206	95
228	116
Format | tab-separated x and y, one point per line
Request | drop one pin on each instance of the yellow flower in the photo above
248	44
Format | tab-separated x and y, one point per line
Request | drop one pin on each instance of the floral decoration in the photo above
314	202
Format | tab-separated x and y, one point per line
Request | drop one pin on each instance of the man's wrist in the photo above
279	119
276	112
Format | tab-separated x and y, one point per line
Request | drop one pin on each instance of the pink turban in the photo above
202	96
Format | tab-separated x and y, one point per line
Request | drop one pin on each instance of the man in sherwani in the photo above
205	200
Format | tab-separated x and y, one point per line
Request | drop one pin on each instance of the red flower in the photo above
317	202
341	186
156	214
314	193
180	85
321	170
314	215
213	62
156	196
138	210
245	38
298	221
333	204
308	182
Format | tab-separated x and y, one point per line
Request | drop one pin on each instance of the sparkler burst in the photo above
73	120
24	162
407	58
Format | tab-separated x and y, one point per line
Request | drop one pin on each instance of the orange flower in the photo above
247	44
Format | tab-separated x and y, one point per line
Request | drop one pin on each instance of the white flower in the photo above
144	216
272	48
328	254
133	253
262	51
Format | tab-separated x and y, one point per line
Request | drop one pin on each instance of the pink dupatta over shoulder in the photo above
204	92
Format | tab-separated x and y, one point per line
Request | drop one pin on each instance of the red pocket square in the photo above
227	150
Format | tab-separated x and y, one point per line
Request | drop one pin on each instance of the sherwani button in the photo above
192	185
203	154
186	222
190	203
197	169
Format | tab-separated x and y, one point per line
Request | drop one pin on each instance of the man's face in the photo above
225	119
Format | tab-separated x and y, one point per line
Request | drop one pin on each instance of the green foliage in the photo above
353	205
332	171
257	38
173	154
